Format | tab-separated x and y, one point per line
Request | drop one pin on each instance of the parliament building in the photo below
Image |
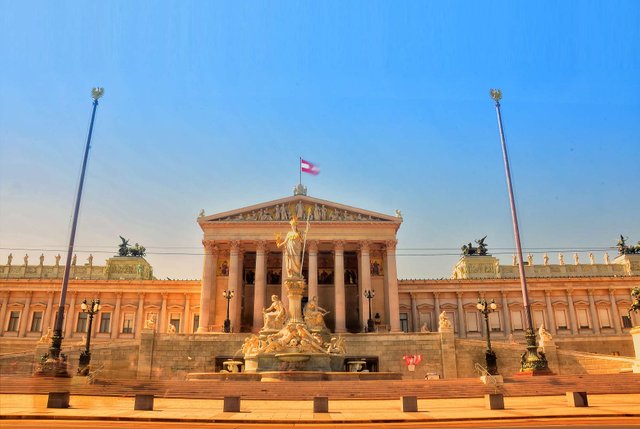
348	251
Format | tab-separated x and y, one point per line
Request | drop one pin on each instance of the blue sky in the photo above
210	104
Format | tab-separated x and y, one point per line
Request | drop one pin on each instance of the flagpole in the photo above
530	361
300	169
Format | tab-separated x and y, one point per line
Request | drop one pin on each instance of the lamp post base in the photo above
53	367
371	327
530	361
492	362
227	326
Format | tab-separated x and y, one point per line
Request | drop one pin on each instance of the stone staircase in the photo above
306	390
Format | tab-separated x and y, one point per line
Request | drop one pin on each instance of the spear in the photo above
304	243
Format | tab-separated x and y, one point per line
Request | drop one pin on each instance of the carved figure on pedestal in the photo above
592	260
46	337
123	248
545	336
41	258
561	258
171	329
606	258
530	259
546	259
58	259
275	315
314	315
251	346
444	323
150	323
26	259
9	258
292	244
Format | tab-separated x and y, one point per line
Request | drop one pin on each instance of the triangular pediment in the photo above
301	206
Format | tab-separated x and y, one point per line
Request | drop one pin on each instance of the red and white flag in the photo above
308	167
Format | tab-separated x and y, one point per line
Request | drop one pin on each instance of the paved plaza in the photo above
353	413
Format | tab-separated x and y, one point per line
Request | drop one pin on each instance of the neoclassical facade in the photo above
348	251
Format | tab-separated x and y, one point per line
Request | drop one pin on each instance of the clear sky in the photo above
208	105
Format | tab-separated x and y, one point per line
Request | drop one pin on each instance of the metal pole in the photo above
531	361
56	340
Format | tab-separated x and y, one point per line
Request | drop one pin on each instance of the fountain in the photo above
289	340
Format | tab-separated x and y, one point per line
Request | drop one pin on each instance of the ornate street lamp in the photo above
530	360
91	309
227	294
485	308
369	294
55	364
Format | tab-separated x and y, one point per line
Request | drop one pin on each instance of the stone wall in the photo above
615	345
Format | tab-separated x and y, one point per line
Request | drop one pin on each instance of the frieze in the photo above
314	212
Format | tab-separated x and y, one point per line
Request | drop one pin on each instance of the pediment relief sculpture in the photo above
284	211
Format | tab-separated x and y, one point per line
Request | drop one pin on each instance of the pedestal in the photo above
295	291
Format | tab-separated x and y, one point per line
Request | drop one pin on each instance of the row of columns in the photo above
208	292
550	322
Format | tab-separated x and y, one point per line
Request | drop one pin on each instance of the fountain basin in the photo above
293	357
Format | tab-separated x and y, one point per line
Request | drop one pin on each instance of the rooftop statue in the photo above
125	250
623	249
470	250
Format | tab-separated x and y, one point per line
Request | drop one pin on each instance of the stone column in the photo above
208	288
234	276
615	313
365	281
24	318
115	320
436	309
259	285
71	315
47	313
186	314
572	312
3	311
139	315
462	321
163	322
414	312
506	316
593	312
551	325
313	268
338	282
392	281
283	290
239	292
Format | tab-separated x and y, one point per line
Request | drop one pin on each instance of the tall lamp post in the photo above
485	308
227	294
530	360
56	365
369	294
91	308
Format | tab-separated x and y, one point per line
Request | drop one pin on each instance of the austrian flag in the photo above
308	167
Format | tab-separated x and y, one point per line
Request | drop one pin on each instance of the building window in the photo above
36	321
603	315
583	318
81	326
626	322
561	319
196	322
14	318
516	320
105	323
494	322
472	321
127	323
174	319
404	322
